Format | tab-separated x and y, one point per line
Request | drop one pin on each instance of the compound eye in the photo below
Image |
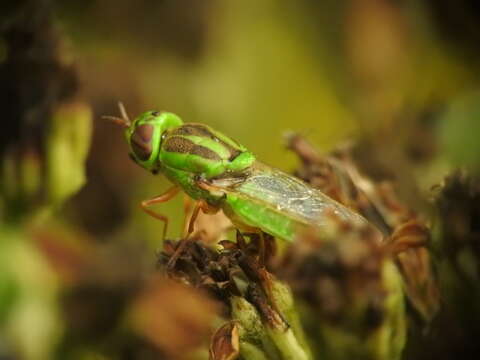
142	141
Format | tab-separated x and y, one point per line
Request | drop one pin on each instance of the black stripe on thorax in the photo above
181	145
201	130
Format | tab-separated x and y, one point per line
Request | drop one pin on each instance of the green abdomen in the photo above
252	214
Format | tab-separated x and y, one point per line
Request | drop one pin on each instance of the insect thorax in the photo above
198	149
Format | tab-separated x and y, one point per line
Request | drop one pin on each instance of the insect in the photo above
218	173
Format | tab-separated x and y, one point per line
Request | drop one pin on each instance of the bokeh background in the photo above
331	70
400	78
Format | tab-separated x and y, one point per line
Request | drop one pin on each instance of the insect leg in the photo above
187	211
194	216
206	209
169	194
256	245
242	245
182	244
212	189
199	205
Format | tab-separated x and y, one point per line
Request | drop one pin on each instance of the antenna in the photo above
123	121
123	112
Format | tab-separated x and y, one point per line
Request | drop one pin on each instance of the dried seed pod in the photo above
352	293
261	307
339	176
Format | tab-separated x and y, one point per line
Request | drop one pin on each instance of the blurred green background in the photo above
330	70
399	77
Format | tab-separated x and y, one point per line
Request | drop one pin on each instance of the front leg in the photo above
166	196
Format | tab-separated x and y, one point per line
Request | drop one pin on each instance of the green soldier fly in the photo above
220	174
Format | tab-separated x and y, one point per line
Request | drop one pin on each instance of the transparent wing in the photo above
288	194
